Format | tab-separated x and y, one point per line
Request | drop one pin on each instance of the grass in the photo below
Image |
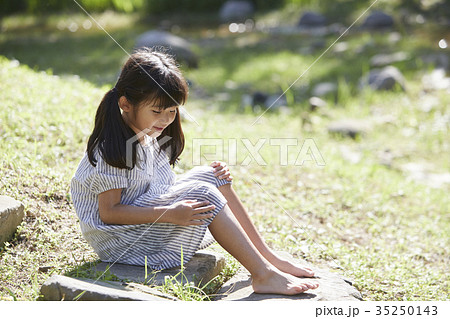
384	230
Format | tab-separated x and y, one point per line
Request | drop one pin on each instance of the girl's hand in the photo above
188	212
221	171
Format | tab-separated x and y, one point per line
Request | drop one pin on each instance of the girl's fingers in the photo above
204	209
199	204
217	169
221	172
225	175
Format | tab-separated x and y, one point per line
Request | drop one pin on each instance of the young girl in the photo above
130	203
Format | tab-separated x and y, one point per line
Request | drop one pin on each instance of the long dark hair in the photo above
147	76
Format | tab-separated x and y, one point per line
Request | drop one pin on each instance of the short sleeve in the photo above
102	182
101	177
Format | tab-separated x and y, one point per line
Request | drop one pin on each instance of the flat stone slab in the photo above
65	288
11	215
332	287
204	266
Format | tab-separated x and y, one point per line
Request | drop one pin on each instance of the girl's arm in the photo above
186	213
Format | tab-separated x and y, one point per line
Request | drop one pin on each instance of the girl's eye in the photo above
157	112
173	111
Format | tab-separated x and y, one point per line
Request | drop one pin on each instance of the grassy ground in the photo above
367	219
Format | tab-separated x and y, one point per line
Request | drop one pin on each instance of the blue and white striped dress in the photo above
150	183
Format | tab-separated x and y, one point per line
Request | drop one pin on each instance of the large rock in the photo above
176	46
65	288
384	79
236	11
378	20
332	287
203	267
312	20
11	215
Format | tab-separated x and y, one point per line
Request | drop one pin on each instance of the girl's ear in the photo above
124	104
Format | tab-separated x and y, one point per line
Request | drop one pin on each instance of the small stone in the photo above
236	11
11	215
340	47
312	19
324	88
378	20
384	79
348	127
316	103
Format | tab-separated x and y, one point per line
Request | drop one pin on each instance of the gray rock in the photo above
203	267
324	88
311	20
332	287
65	288
175	45
349	127
265	101
236	11
11	215
316	103
340	47
384	79
378	20
380	60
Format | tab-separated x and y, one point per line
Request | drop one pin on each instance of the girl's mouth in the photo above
159	129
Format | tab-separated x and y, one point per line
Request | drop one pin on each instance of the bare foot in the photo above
290	268
277	282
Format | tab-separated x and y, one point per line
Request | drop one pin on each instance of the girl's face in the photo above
148	118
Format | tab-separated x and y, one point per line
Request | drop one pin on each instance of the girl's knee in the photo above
207	191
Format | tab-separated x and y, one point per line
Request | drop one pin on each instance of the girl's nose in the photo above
167	118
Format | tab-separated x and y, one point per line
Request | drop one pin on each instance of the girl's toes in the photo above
299	289
312	285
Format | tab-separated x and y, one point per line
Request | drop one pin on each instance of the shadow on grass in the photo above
94	57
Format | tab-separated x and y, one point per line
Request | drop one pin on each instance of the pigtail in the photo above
110	134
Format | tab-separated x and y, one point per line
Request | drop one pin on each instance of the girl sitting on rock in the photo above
130	203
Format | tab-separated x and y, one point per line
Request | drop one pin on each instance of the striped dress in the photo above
150	183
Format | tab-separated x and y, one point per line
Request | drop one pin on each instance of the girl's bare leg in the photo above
265	277
242	216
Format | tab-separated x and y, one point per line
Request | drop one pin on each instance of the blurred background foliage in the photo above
334	8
